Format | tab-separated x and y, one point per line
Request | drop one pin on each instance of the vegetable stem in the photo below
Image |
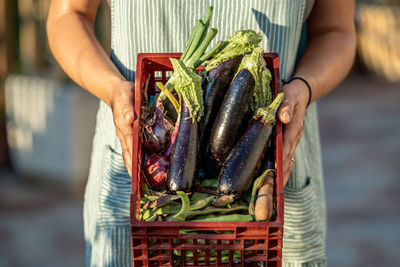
212	52
171	98
206	23
191	38
209	15
203	46
196	41
188	83
268	113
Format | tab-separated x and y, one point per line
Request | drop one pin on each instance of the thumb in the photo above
285	112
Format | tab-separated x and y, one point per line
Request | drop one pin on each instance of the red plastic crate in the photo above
241	243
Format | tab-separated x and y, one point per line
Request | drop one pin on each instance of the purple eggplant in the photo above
184	154
232	114
248	91
240	166
185	150
157	130
215	84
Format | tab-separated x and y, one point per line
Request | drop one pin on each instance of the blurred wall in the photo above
46	121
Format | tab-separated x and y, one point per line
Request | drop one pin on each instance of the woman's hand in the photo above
291	114
121	103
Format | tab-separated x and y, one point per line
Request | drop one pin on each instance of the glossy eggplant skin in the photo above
239	168
184	154
214	86
232	116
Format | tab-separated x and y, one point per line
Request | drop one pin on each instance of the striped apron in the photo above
164	26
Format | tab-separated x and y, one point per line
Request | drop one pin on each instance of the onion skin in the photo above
156	136
156	167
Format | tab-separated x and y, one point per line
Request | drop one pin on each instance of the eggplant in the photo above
185	150
214	85
240	166
231	117
157	130
248	91
184	154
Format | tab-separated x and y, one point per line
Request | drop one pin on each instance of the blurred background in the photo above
47	124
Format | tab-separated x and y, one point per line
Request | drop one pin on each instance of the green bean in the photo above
145	189
144	200
215	210
168	209
225	218
145	215
202	203
181	215
151	198
160	201
197	196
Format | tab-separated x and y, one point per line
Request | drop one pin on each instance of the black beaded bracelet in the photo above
308	86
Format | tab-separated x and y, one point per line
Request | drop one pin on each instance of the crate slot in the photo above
168	74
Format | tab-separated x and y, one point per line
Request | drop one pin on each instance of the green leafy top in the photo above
255	63
188	84
241	42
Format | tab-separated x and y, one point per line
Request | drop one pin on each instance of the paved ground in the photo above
360	131
39	226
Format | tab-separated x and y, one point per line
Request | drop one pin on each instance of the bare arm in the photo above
75	47
328	57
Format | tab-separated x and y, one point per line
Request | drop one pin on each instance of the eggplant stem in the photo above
268	113
169	95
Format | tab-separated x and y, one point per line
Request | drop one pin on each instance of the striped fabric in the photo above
164	26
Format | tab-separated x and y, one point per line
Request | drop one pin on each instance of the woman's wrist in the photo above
299	90
117	87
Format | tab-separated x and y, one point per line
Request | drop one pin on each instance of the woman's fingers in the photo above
285	111
291	137
123	111
291	114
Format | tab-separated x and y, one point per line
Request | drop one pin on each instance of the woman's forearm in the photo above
326	61
75	47
331	46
